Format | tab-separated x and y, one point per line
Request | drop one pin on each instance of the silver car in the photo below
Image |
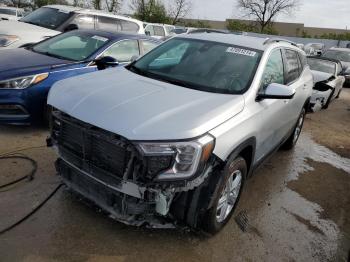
172	137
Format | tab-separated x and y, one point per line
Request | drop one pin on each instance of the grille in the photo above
90	148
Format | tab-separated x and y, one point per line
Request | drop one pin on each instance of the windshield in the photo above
202	65
7	11
46	17
343	56
322	65
74	45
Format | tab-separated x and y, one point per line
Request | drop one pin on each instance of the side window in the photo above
123	51
149	28
303	61
159	31
108	24
292	66
84	21
148	45
274	72
128	26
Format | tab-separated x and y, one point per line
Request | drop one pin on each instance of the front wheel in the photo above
292	140
226	195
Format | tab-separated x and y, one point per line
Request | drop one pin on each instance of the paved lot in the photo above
297	205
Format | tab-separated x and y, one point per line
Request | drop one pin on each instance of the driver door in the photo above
272	112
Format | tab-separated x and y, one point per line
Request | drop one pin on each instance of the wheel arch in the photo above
246	150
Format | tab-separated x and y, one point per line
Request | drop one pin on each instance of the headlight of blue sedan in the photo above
6	40
23	82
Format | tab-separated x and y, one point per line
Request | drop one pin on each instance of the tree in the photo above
113	6
264	11
179	9
152	11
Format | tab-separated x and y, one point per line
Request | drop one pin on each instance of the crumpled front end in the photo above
116	175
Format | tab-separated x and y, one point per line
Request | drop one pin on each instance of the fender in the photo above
250	142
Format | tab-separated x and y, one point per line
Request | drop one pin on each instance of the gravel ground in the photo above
297	206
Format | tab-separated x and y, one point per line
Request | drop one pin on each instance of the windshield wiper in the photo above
158	77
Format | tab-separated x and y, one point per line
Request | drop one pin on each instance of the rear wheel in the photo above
292	140
226	195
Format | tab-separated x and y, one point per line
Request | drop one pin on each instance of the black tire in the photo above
293	138
209	222
47	116
329	100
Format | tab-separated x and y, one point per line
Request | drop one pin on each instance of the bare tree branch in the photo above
264	11
179	9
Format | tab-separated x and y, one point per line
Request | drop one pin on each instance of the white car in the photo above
159	31
328	81
51	20
11	13
175	134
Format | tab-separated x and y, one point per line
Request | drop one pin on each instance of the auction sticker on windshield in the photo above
240	51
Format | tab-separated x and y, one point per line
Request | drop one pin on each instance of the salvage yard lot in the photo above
296	207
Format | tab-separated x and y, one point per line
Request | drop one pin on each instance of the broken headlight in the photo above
177	160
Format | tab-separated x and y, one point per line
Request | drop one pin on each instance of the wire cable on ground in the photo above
33	211
30	176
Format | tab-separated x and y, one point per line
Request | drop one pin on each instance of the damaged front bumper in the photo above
125	201
110	171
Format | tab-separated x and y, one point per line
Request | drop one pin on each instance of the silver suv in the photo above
174	135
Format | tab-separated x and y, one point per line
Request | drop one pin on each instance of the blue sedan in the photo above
27	74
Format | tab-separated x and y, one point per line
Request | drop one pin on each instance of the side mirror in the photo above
276	91
147	33
70	27
105	62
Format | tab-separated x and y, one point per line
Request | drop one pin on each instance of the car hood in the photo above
20	62
140	108
25	30
320	76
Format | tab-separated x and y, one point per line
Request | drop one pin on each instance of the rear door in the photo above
298	78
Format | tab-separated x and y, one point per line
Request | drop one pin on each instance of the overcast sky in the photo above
316	13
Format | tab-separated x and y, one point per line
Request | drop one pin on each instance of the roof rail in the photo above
207	30
276	40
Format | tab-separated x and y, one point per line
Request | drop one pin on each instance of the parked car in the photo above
175	134
328	81
159	31
27	74
11	13
343	55
51	20
314	49
182	30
